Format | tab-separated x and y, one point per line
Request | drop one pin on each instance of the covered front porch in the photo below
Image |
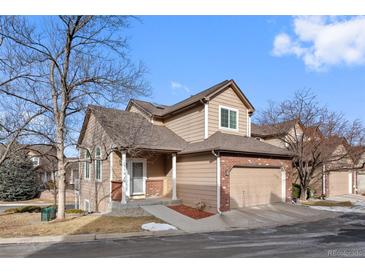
147	177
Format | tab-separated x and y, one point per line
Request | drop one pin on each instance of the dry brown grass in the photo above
29	224
327	203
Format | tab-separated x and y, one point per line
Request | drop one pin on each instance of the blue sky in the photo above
270	57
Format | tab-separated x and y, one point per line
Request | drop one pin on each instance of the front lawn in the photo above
29	224
327	203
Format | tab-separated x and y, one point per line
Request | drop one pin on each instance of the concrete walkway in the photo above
245	218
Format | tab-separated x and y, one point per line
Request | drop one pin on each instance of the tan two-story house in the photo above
197	151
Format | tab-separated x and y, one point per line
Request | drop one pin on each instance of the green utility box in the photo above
48	214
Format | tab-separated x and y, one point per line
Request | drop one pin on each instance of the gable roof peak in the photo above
163	110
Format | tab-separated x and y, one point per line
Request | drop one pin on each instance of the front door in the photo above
137	178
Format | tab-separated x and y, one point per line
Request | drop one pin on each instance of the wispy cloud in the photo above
322	42
178	86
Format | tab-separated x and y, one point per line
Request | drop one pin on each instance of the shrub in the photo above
11	210
74	211
201	205
30	209
18	180
24	209
295	192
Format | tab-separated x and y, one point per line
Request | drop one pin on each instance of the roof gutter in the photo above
218	172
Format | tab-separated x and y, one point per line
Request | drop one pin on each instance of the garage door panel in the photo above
338	183
255	186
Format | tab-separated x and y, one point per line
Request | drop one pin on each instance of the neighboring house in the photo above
44	161
336	177
199	150
339	172
276	134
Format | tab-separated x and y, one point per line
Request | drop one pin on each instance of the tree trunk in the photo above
303	193
61	178
54	194
61	189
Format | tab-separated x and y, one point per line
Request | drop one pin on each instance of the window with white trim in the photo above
228	118
98	164
86	164
35	160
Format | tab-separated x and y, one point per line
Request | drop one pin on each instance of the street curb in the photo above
88	237
18	205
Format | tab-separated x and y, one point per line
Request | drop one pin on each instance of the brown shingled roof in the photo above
162	110
129	129
237	144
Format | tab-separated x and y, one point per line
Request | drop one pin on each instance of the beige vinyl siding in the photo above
196	180
98	193
275	142
189	125
227	98
136	110
155	121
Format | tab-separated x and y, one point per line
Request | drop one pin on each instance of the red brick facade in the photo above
154	188
230	161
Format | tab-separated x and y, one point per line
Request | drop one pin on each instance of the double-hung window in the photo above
98	164
228	118
87	164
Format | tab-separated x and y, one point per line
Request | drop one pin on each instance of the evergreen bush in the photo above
18	179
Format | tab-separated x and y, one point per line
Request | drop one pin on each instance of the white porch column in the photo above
350	182
124	177
283	185
174	197
218	177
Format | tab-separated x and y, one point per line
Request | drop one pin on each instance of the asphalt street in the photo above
343	236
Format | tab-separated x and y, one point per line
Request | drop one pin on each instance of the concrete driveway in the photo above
245	218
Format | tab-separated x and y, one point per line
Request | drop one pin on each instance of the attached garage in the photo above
361	183
251	186
339	183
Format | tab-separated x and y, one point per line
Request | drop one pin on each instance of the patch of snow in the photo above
157	227
354	209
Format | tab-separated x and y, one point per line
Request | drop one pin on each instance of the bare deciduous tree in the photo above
16	124
66	63
318	133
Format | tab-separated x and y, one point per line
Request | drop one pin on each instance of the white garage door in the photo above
338	183
255	186
361	183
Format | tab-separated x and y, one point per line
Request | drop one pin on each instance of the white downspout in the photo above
218	176
174	195
248	124
206	111
111	179
324	180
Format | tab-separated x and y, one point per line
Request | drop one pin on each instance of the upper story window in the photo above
86	164
98	164
35	160
228	118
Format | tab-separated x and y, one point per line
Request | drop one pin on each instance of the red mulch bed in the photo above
191	212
